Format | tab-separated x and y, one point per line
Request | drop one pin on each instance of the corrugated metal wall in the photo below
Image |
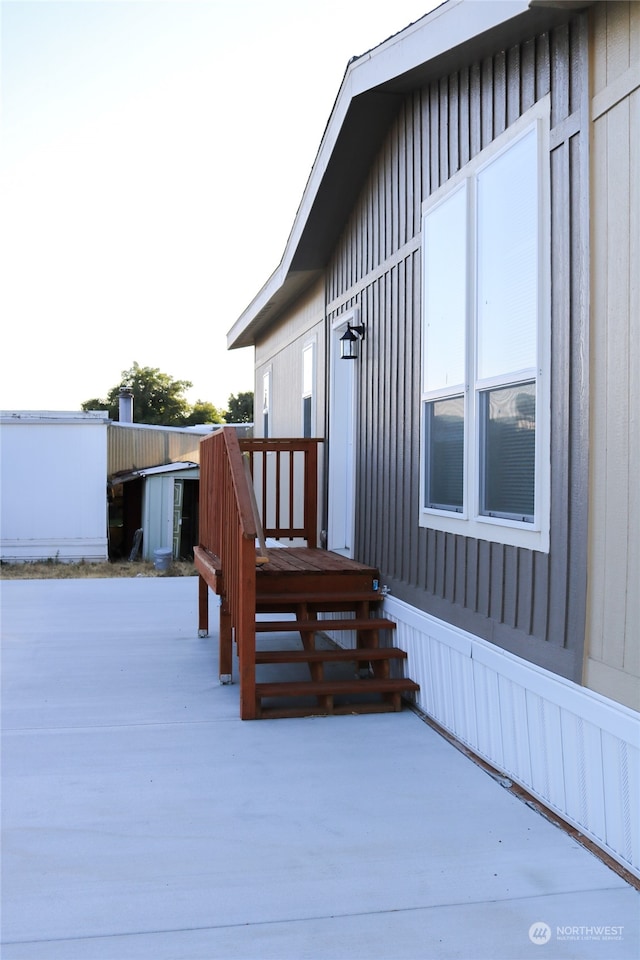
133	447
530	603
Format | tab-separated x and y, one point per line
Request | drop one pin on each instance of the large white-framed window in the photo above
485	343
308	388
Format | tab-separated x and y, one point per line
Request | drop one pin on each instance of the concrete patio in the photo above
143	819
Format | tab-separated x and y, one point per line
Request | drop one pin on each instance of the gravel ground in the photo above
55	570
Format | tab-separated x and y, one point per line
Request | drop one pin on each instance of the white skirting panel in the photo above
65	550
576	751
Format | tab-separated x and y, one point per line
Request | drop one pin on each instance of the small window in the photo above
444	442
308	376
266	403
508	448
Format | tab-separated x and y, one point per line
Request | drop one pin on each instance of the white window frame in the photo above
309	390
470	522
266	402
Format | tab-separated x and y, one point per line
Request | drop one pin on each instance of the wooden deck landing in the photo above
319	577
311	560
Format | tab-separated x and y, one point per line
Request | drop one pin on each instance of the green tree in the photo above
94	405
157	397
240	408
204	412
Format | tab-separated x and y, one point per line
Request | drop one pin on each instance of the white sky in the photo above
154	154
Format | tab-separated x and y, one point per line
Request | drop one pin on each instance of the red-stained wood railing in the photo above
285	478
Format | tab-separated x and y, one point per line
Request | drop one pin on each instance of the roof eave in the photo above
373	86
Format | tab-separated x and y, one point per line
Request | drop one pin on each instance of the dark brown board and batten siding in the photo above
527	602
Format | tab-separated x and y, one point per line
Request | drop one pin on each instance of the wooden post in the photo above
246	630
225	648
203	607
311	495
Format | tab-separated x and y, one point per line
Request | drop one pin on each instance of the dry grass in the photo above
55	570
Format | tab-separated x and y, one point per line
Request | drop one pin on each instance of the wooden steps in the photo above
327	690
323	687
321	626
337	710
337	655
291	596
317	602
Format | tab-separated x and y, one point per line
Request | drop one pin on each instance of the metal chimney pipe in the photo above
125	405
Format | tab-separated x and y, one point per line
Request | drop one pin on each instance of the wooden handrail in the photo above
228	530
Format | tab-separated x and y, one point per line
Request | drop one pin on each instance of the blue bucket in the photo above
162	558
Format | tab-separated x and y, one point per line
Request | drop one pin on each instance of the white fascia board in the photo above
54	416
445	28
198	430
264	295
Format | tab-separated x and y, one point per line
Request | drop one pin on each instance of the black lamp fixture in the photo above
349	341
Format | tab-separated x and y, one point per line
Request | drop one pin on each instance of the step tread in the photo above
317	626
300	688
330	656
356	596
288	712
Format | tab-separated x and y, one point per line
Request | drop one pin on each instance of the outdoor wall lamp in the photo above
349	341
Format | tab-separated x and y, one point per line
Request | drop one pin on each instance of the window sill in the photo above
524	535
